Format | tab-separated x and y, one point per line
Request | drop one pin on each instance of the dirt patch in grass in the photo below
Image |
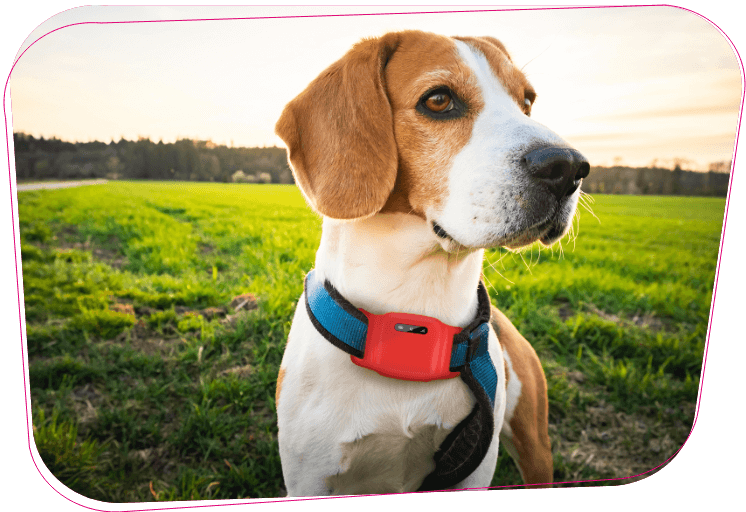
111	258
615	445
127	309
158	459
109	252
564	310
156	346
647	320
164	339
238	371
85	402
245	301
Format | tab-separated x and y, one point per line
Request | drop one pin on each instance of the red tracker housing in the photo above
408	347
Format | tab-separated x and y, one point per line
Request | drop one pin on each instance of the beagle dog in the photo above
419	152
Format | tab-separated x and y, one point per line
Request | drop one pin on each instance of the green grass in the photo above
147	384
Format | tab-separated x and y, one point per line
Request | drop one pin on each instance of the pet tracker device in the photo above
408	347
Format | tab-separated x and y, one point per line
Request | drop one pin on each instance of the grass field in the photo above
156	315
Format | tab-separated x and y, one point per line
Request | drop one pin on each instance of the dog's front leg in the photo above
307	419
306	464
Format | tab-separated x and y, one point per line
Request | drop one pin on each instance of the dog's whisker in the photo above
585	200
500	260
490	286
498	272
575	227
524	262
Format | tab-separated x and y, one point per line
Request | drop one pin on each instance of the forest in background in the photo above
190	160
143	159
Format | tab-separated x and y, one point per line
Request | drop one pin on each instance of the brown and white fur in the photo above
385	174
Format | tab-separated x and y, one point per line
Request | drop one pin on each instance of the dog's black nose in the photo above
560	169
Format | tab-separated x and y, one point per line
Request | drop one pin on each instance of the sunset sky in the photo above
626	85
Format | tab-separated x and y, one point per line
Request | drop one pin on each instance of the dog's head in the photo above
436	127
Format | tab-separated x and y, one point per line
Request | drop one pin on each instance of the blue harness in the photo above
346	327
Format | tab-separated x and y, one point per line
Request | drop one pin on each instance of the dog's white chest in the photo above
387	461
358	422
354	430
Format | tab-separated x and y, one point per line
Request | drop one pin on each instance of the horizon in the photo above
626	86
210	145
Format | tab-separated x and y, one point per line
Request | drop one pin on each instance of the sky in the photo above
629	86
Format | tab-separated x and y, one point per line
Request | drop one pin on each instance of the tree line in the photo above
189	160
659	181
143	159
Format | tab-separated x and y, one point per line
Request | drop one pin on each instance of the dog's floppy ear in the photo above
488	40
340	134
498	44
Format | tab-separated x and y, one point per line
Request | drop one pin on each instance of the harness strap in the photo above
346	327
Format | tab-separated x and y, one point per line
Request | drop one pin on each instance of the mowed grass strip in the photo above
157	315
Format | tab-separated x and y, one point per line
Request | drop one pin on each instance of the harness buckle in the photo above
408	347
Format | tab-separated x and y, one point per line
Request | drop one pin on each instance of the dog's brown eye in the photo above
439	102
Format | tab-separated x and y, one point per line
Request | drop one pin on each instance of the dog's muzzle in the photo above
537	205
